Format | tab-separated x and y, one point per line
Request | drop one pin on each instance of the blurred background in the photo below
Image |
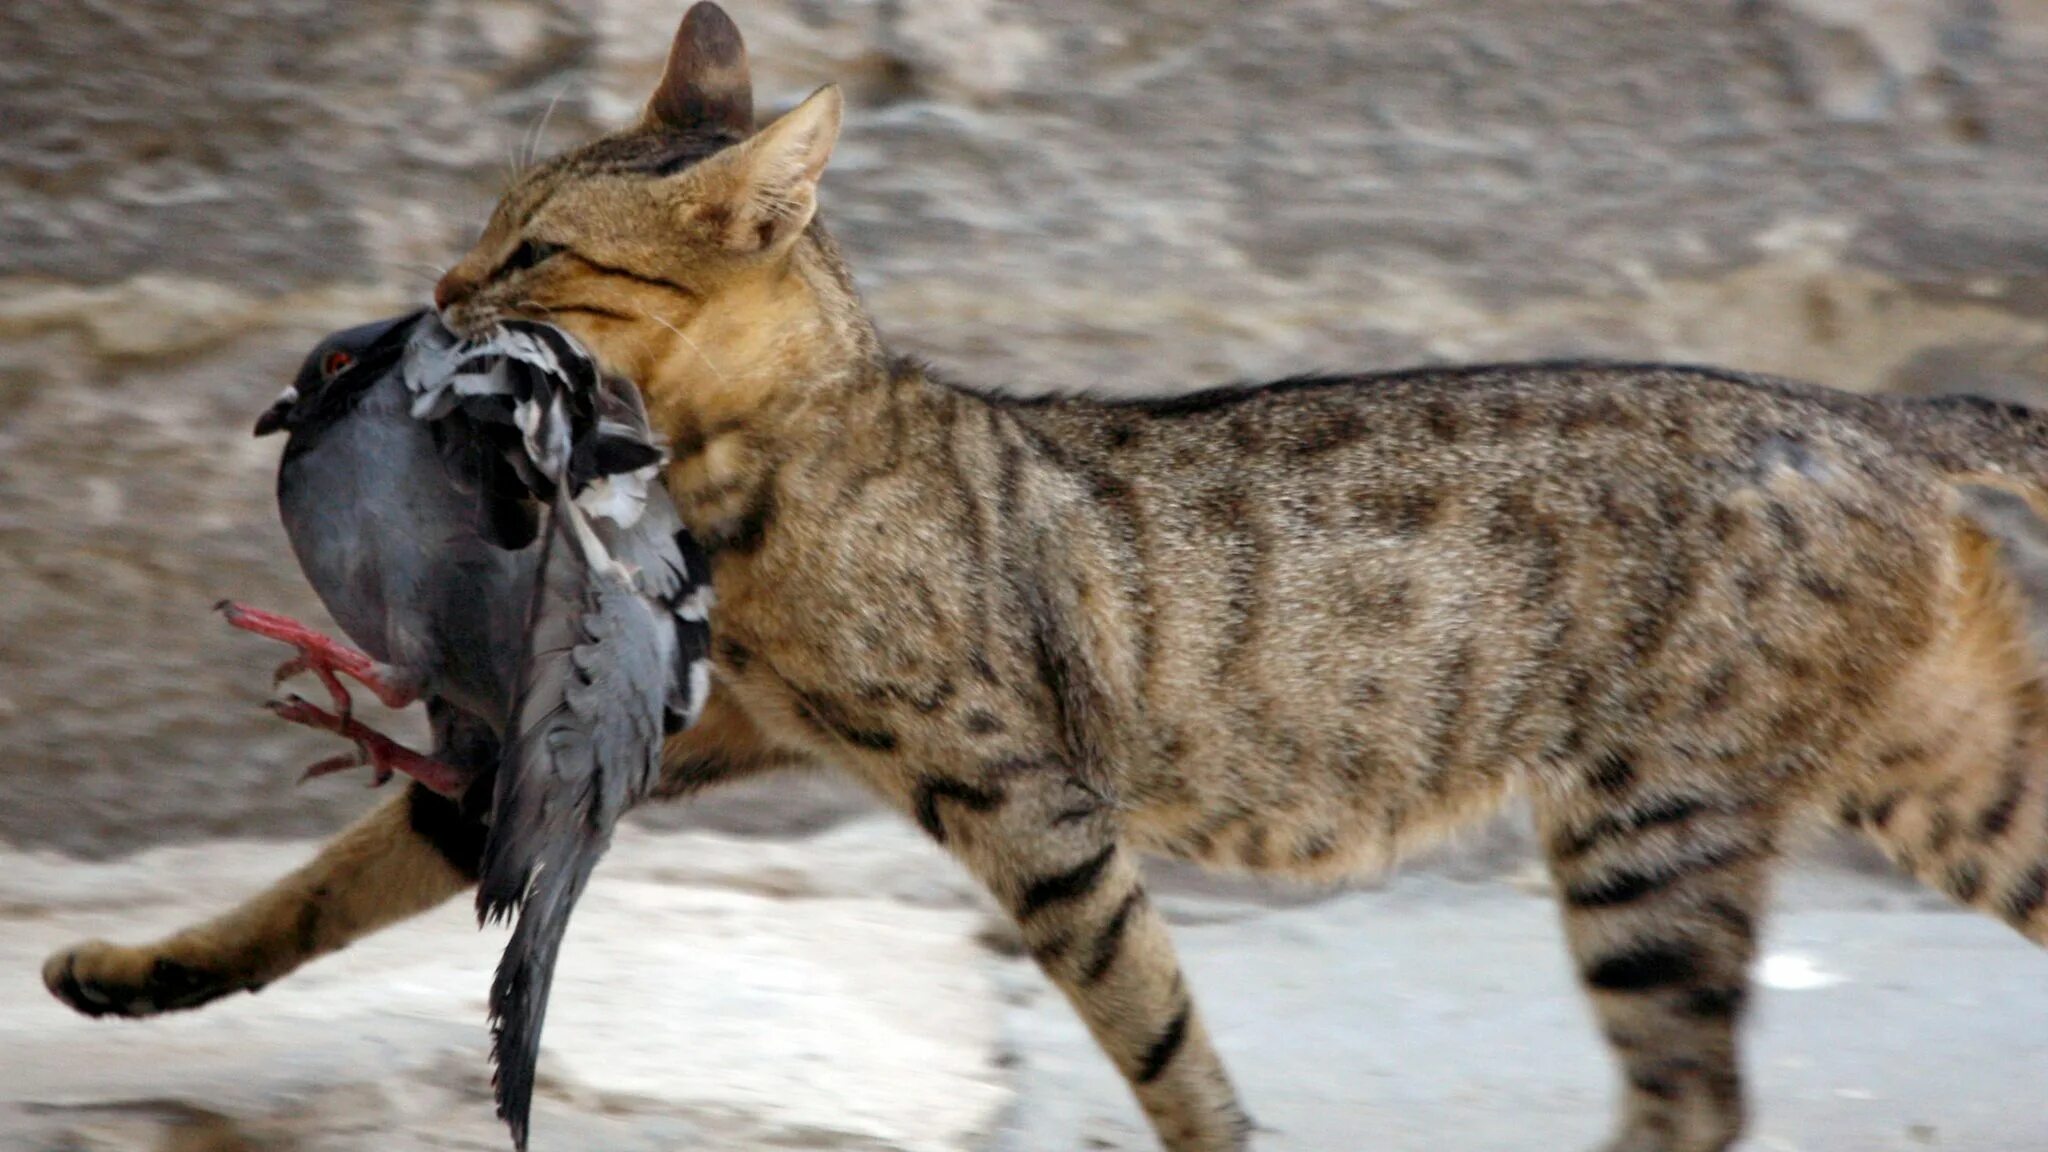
1136	195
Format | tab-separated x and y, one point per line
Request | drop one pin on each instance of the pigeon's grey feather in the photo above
487	515
615	650
586	743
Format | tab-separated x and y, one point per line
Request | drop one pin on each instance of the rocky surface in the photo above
848	992
1139	195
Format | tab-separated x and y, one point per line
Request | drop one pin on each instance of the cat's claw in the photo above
382	755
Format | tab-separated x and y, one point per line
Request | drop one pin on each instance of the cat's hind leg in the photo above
1661	875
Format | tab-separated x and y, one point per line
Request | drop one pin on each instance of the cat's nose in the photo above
447	290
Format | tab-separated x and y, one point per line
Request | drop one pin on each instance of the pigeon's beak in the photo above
273	417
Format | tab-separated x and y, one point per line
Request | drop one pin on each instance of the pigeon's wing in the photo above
673	573
475	443
633	514
614	462
585	744
616	644
689	686
502	391
538	399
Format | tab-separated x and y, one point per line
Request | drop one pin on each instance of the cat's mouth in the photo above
464	307
467	320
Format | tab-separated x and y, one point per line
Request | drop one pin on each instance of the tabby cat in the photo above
1296	629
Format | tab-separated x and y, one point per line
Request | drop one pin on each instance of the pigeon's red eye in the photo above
334	363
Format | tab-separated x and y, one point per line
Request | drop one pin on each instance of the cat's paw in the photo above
102	979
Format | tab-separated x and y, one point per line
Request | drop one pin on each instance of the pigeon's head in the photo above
681	251
342	364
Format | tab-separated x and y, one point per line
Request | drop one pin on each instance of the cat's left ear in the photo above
770	183
706	85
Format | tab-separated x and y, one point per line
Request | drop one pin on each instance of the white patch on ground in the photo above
1794	972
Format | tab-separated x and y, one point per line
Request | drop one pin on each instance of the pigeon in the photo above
384	523
484	518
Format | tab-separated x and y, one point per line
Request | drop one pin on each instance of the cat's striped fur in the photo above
1294	630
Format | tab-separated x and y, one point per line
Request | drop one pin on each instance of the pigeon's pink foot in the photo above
374	750
322	655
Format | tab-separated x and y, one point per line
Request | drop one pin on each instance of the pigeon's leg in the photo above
323	656
336	691
374	750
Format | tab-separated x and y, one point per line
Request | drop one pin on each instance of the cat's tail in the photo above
1964	806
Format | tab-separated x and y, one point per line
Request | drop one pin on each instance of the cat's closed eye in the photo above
529	253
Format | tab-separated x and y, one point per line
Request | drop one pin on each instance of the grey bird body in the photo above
387	528
484	519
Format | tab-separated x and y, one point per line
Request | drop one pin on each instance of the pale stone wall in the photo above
1141	194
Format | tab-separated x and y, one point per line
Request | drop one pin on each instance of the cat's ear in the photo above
770	183
706	84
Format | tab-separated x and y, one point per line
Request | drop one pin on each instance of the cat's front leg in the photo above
408	855
1050	847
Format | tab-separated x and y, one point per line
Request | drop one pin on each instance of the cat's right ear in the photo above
759	194
706	84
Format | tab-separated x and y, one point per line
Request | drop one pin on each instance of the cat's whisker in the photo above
514	170
540	130
431	273
685	338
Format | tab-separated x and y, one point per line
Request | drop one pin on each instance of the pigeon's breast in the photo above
365	505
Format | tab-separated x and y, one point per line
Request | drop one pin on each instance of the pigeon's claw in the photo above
336	691
382	755
322	655
346	762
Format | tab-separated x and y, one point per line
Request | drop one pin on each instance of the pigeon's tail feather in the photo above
584	745
519	994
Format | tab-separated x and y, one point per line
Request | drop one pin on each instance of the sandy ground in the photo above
851	991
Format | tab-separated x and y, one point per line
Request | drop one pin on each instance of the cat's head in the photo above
668	247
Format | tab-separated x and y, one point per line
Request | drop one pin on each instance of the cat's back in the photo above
1480	457
1585	416
1460	567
